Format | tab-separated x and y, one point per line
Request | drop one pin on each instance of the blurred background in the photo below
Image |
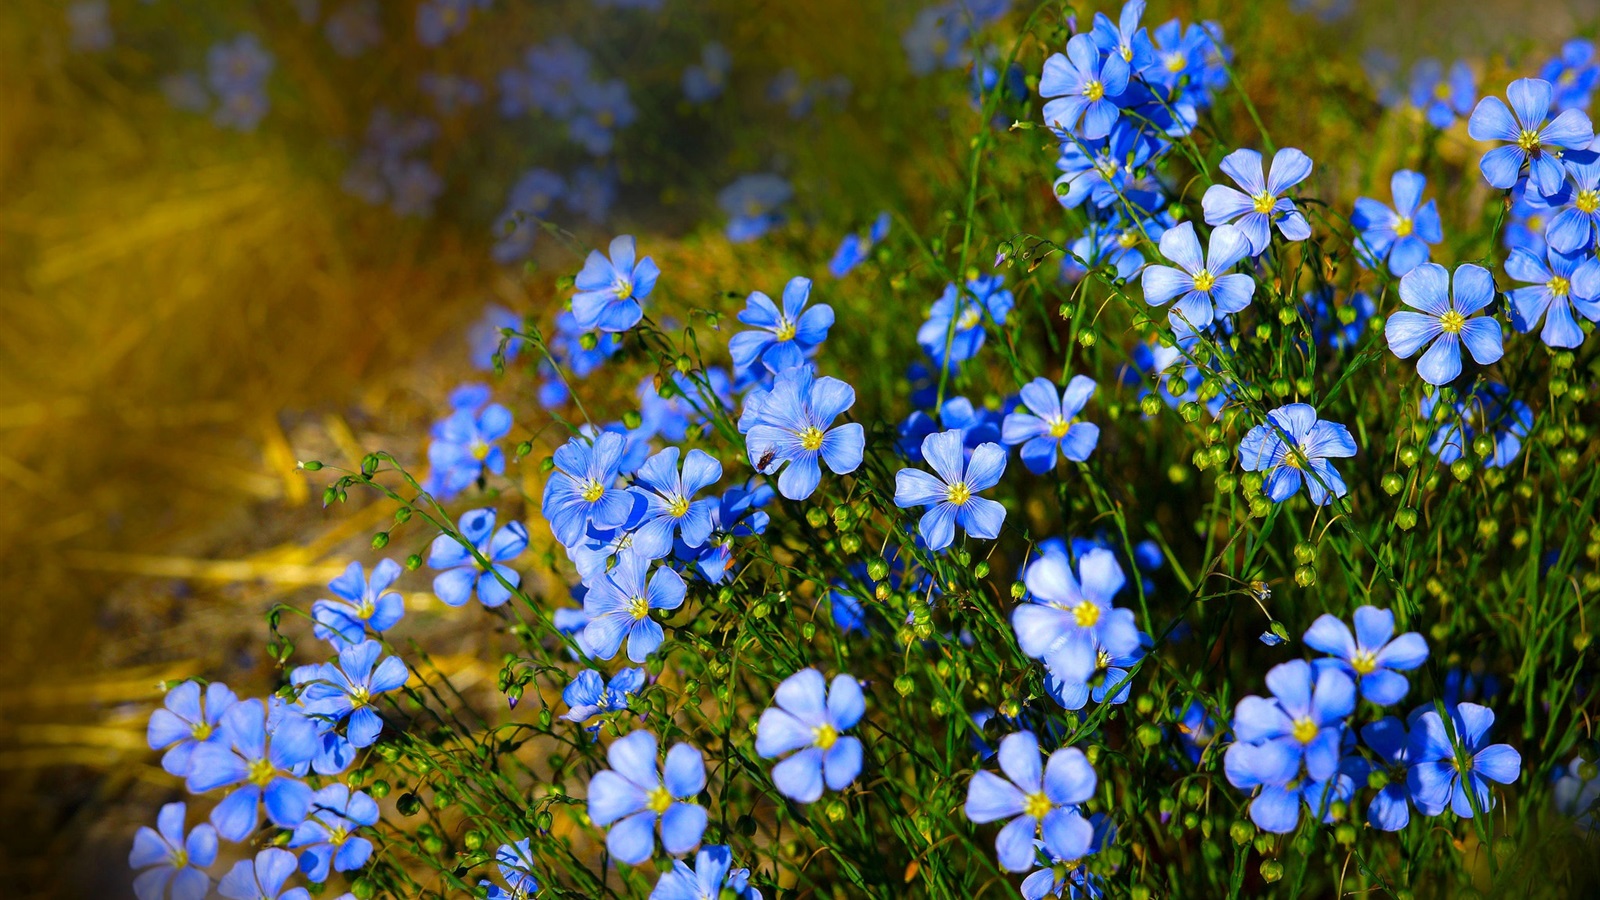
237	235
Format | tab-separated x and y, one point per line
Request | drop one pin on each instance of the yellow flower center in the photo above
1536	223
480	451
1365	662
261	772
606	119
1264	202
1587	201
1128	239
958	493
1059	427
969	319
638	607
1102	659
200	731
1127	53
1404	226
826	736
1305	730
659	800
678	507
1529	141
1107	167
1452	322
1176	62
1094	90
1558	286
1291	458
1086	614
1203	280
811	439
785	330
624	288
1441	91
338	836
179	857
1037	805
359	697
593	490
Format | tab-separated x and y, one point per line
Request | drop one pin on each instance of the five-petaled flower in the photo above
1080	85
363	604
582	489
952	497
1304	722
783	338
347	687
811	717
262	752
589	694
1400	235
262	878
1565	285
1032	797
1051	424
794	426
1070	620
1453	767
1262	203
465	573
610	290
1200	282
1374	656
619	603
669	505
712	878
170	859
1292	446
1446	321
1530	139
188	719
328	839
631	796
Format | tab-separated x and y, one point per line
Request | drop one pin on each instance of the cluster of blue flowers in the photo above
1300	746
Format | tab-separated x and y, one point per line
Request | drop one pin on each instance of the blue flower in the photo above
439	20
1290	442
976	424
1262	203
515	862
464	448
752	205
1032	797
955	327
1443	99
1390	809
1080	85
589	695
169	859
1103	170
1572	74
1304	722
1051	424
1201	282
669	505
1070	620
1576	793
258	760
782	339
854	248
1566	284
809	721
529	200
237	71
1369	656
1488	409
187	721
363	604
1126	41
603	107
619	604
630	797
1111	681
1530	139
706	80
1576	228
582	490
262	878
610	290
328	836
952	497
1117	243
1452	767
712	877
484	337
1196	729
1402	234
794	428
347	688
464	574
1445	321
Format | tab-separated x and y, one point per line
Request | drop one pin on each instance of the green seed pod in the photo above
378	789
1018	590
1304	552
1148	735
1409	456
808	630
1086	339
1150	404
904	685
1271	870
981	570
408	804
850	543
1461	469
1241	831
1393	483
1406	518
878	569
816	517
837	811
1305	576
311	465
380	540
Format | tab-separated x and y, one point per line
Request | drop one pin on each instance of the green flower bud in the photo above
1271	870
1406	518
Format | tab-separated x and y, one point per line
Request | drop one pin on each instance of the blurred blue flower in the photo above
956	325
1572	74
170	859
464	575
262	878
1400	235
590	695
1441	98
706	80
752	204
